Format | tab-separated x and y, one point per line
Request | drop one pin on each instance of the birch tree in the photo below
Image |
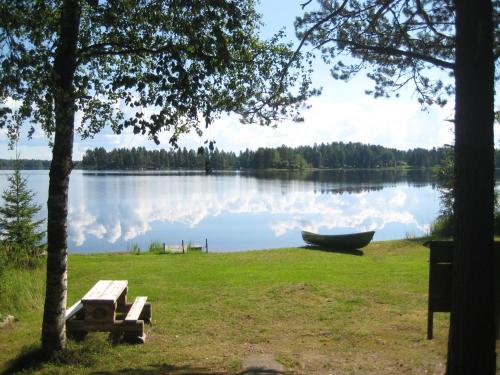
145	65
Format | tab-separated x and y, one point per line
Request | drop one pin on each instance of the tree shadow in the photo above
183	370
260	371
160	369
327	249
30	358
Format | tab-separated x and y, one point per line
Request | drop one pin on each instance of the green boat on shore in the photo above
338	241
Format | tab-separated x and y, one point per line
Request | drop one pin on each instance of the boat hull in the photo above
339	241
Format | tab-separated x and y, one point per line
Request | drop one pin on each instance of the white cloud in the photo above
342	113
392	123
80	221
362	214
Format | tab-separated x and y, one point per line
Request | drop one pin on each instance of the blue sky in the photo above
342	113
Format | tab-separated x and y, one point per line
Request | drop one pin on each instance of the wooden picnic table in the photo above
105	308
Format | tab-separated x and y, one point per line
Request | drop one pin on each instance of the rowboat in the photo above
339	241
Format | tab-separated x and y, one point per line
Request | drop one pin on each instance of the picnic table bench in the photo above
105	308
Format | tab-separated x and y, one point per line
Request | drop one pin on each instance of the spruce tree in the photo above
20	232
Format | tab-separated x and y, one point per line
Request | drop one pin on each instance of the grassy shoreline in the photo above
315	312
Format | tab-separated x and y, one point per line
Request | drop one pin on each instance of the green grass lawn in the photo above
315	312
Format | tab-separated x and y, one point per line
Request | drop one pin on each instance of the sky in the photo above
343	113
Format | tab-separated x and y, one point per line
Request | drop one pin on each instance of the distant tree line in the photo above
332	155
24	164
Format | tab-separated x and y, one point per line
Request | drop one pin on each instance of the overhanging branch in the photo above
390	51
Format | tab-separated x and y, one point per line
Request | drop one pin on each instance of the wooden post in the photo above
206	244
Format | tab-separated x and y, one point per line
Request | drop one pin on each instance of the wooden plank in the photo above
122	300
440	287
99	312
106	291
96	291
117	326
74	309
114	290
173	249
136	309
146	313
441	251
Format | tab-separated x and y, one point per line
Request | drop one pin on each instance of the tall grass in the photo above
133	248
21	281
21	290
156	247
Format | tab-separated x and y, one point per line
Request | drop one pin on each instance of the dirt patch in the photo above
7	320
262	364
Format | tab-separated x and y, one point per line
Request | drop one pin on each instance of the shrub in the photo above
442	226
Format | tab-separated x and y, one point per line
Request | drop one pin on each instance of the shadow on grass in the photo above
181	370
160	369
31	358
355	252
259	371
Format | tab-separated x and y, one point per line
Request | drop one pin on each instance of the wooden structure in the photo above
184	249
105	308
440	281
173	248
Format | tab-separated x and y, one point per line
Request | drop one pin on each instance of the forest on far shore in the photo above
331	155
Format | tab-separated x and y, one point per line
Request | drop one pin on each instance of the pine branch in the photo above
391	51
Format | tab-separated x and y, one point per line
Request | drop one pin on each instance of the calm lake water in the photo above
111	211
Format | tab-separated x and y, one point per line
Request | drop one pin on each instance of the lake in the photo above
235	211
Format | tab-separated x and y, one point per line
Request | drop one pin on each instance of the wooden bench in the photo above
102	309
74	309
133	316
440	282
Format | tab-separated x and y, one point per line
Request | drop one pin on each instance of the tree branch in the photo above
101	49
306	35
428	22
388	51
303	5
322	21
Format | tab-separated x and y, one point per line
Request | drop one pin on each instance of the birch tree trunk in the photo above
53	328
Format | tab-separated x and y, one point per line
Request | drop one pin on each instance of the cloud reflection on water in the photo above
123	208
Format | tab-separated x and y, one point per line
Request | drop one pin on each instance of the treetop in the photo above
150	66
